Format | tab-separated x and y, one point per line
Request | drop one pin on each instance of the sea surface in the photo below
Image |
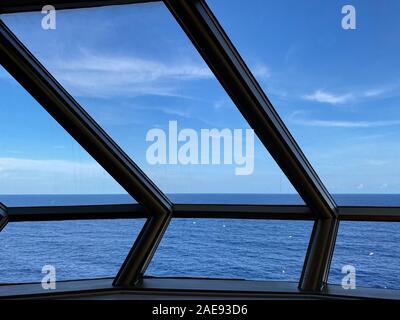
209	248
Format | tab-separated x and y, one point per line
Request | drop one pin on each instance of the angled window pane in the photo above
336	89
158	100
40	163
240	249
374	262
76	249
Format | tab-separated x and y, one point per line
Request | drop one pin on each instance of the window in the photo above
40	164
140	84
337	90
76	249
239	249
375	261
137	74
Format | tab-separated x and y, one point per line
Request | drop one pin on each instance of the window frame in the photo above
207	35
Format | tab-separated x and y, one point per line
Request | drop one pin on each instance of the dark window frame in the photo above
207	35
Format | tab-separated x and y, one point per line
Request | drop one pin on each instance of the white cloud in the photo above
94	75
341	123
327	97
347	124
377	162
49	166
223	103
260	71
323	96
375	92
139	69
180	112
31	176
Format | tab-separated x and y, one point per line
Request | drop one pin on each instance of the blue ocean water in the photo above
388	200
213	248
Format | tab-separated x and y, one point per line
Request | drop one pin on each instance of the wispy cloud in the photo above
323	96
223	103
341	123
347	124
132	114
327	97
8	164
111	116
188	114
360	186
377	162
173	111
140	69
96	75
261	71
375	92
41	176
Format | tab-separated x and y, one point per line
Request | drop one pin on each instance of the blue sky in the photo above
133	69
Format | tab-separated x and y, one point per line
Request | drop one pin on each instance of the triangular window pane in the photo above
138	75
40	164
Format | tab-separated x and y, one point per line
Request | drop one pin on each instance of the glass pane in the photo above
336	89
372	250
76	249
137	74
240	249
39	161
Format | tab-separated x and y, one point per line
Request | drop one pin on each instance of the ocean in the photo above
205	248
